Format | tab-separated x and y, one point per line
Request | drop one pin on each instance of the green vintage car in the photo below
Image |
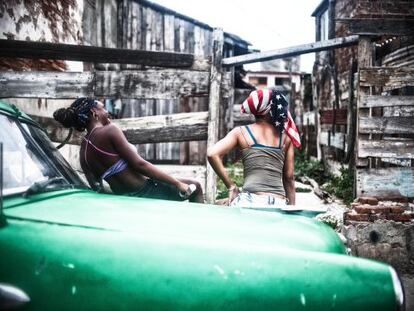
65	247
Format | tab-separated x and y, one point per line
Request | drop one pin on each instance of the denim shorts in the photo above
247	199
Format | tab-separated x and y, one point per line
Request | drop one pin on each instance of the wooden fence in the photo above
194	78
191	77
385	129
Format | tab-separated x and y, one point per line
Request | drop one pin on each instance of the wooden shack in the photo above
361	118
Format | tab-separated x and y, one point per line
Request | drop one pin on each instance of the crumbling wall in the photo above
387	241
42	20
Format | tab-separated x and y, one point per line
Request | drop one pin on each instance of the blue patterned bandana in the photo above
279	110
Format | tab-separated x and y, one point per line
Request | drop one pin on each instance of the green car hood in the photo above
77	250
183	220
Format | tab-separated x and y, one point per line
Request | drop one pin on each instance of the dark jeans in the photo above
158	190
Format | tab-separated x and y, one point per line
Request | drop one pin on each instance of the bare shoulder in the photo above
112	129
235	131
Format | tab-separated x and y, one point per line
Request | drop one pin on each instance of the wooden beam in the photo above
373	101
154	129
291	51
389	182
47	50
146	84
214	109
389	77
386	148
32	84
386	125
380	26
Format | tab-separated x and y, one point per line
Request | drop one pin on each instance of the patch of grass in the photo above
309	168
342	186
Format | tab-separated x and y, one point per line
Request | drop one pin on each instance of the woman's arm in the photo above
288	176
214	155
122	146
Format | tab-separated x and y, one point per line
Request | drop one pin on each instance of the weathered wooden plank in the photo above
399	111
337	140
372	101
143	130
169	33
197	172
290	51
386	148
386	125
390	182
155	84
390	77
214	109
327	116
399	56
46	84
380	26
31	49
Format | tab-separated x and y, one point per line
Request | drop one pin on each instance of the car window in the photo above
53	154
22	165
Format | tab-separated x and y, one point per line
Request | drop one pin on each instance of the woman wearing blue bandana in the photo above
106	154
266	150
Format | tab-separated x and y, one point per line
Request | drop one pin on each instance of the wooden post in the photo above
214	108
317	121
365	57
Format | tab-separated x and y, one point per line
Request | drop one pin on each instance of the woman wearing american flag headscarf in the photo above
266	151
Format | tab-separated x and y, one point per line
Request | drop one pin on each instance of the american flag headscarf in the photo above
261	102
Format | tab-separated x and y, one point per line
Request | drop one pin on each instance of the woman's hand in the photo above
182	187
233	193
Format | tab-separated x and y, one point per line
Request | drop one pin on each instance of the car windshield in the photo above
40	137
24	162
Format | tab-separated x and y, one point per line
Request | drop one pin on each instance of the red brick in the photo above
370	209
356	217
354	204
397	209
368	200
399	217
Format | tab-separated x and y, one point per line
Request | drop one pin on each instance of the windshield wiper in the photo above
41	186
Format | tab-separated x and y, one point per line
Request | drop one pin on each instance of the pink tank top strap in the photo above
89	142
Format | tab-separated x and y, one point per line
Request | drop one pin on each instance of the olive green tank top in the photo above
263	168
